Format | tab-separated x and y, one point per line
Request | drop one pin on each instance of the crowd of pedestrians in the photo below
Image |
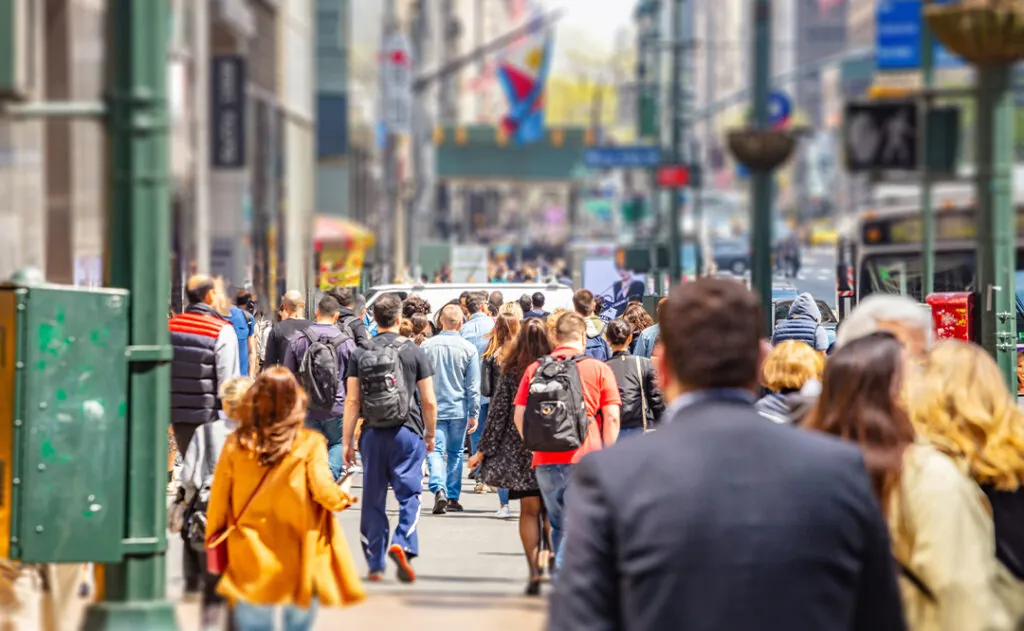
873	486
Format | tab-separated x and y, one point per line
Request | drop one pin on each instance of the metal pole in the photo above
419	141
996	248
675	239
392	210
201	135
927	212
761	181
138	130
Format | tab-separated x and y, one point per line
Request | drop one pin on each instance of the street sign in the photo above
396	76
898	38
780	109
881	136
673	176
637	156
228	111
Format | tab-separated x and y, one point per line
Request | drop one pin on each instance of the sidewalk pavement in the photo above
471	571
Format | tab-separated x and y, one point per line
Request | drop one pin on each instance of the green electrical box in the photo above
63	425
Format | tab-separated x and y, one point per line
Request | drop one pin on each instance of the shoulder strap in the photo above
643	395
916	581
234	523
310	334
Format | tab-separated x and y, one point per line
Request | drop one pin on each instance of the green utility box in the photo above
63	432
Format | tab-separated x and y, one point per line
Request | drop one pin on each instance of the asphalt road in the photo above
817	274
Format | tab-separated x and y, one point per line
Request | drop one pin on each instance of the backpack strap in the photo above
311	335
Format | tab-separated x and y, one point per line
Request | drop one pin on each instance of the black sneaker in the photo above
405	572
440	503
454	506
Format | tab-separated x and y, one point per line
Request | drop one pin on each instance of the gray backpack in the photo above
385	394
319	371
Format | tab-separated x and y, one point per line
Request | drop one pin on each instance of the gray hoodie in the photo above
803	324
202	455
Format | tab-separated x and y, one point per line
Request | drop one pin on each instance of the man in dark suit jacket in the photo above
723	521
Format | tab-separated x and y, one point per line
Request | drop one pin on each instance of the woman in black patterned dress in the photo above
502	457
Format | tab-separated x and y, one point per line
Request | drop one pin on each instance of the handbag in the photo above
217	545
487	369
643	394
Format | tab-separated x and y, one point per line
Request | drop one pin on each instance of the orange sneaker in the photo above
405	572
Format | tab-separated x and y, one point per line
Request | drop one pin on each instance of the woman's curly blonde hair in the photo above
960	404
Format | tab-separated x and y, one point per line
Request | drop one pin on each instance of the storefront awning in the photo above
340	233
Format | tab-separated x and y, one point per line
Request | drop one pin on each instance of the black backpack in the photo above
345	322
319	372
385	395
556	413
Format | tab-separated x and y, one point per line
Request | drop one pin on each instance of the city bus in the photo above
882	244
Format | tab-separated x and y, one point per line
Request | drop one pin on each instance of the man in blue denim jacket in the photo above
457	384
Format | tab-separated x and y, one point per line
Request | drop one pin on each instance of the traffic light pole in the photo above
648	82
927	212
138	130
996	252
761	181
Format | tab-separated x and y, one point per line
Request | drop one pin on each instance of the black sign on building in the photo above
228	79
881	136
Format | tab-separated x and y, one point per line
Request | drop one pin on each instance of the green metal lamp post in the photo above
138	131
992	39
647	15
762	150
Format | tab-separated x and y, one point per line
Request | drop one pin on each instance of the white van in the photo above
556	296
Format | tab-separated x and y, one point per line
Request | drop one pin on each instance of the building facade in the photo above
232	118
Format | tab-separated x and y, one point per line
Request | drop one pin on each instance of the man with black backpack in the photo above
567	405
319	355
349	319
397	432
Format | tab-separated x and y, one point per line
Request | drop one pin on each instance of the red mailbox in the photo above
953	315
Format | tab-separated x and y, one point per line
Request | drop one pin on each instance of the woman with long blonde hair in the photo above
962	406
272	502
941	534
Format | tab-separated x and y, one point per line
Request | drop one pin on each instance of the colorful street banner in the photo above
523	74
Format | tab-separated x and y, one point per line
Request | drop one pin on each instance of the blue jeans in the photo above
331	429
474	438
553	479
445	462
631	431
261	618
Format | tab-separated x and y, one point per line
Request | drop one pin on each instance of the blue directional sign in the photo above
637	156
780	109
898	38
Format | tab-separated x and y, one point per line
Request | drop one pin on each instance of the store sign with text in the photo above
228	76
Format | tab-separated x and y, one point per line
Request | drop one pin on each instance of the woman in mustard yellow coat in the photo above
272	501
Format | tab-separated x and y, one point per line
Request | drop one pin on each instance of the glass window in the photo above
901	274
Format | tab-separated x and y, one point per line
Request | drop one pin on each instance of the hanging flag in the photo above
523	75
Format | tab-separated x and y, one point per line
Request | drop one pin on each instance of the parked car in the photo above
732	255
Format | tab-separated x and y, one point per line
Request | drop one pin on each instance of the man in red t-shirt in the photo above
601	394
